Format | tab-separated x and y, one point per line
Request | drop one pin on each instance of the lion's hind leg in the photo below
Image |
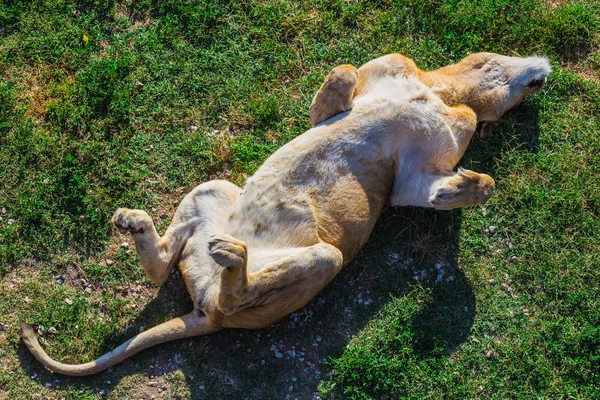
289	281
208	204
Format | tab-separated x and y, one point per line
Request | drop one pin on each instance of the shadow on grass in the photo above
291	356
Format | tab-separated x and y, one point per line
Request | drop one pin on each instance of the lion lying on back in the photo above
385	133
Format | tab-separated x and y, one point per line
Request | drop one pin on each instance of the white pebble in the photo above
278	354
124	245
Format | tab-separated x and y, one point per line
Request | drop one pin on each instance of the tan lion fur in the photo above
385	133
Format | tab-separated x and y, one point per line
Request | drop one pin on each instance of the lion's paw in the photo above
227	251
465	188
132	221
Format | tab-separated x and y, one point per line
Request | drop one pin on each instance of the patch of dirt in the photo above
36	92
584	70
72	276
137	20
555	3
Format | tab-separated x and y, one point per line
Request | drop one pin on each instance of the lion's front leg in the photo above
443	191
465	188
335	94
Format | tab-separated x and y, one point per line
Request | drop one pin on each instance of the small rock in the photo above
3	210
513	259
164	387
278	354
35	375
26	300
274	348
201	387
294	379
492	229
492	281
11	221
152	383
41	330
193	128
124	245
139	85
504	287
491	355
109	262
102	392
48	384
76	13
108	382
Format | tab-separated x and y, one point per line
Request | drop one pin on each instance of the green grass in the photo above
132	104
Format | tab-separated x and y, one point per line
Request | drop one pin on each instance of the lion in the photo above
387	133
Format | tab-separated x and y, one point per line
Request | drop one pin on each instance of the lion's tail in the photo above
189	325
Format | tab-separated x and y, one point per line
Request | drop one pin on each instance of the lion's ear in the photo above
335	94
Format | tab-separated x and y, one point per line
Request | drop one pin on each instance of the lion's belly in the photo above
341	212
273	220
349	210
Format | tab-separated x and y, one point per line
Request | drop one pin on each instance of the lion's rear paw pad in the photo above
132	221
227	251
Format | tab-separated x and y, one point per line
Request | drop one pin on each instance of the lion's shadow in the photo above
266	363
